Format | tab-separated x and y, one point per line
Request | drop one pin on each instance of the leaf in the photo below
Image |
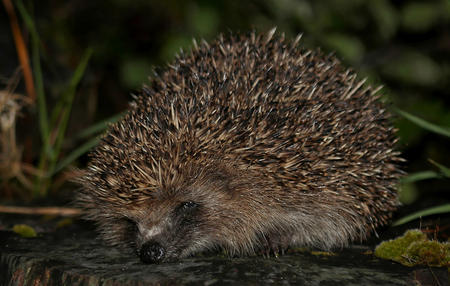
424	124
430	211
24	230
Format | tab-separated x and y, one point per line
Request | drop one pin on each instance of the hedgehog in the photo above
248	144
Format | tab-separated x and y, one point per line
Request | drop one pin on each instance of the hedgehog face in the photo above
169	231
178	223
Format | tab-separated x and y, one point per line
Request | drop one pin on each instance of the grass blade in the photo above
64	106
39	82
41	99
425	124
444	170
419	176
75	154
425	212
65	101
99	127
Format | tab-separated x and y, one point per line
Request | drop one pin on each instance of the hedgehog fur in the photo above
246	144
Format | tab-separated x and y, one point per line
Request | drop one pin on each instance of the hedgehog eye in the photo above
186	207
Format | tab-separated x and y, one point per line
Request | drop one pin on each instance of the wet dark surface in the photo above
72	256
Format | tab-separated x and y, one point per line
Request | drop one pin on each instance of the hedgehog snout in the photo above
152	252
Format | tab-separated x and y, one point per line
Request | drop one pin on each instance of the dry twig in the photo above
40	210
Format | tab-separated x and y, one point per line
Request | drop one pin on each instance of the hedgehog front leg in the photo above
275	243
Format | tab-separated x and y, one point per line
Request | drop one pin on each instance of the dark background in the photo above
404	45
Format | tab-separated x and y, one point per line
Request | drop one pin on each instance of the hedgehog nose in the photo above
152	252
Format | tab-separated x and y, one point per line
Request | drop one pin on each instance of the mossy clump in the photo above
24	230
414	248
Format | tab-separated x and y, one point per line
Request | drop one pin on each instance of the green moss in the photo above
414	248
24	230
432	253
